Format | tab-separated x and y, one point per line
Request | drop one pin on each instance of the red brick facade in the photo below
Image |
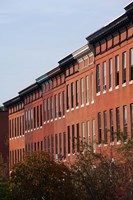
89	93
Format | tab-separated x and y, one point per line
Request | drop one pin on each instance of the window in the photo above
124	67
64	142
67	97
68	133
94	135
105	127
49	144
41	115
82	90
117	70
131	64
111	126
60	146
87	89
83	133
125	122
45	110
55	106
59	105
48	109
98	78
52	145
63	103
73	139
92	89
37	116
78	136
51	107
77	97
45	144
110	73
118	123
56	145
88	132
99	128
104	76
72	95
131	114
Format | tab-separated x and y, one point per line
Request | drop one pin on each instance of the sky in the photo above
36	34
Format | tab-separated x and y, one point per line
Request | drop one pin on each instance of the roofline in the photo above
28	89
48	75
111	26
12	101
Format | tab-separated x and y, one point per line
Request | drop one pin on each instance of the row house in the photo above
87	97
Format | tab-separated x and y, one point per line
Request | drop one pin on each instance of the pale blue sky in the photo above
36	34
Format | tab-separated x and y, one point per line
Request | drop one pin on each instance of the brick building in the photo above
87	94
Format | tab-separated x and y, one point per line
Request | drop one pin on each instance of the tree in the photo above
97	177
39	177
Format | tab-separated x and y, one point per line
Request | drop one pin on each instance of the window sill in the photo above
67	110
40	126
59	117
63	116
119	142
111	143
105	145
117	87
124	85
44	123
51	120
110	89
98	94
131	82
87	104
82	105
69	155
55	119
92	102
72	109
48	121
104	92
77	107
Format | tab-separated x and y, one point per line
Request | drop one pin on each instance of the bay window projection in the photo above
82	91
110	74
125	122
131	65
105	127
98	78
124	67
117	70
104	76
118	123
87	89
77	96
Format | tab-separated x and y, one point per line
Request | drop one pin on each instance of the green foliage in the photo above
39	177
